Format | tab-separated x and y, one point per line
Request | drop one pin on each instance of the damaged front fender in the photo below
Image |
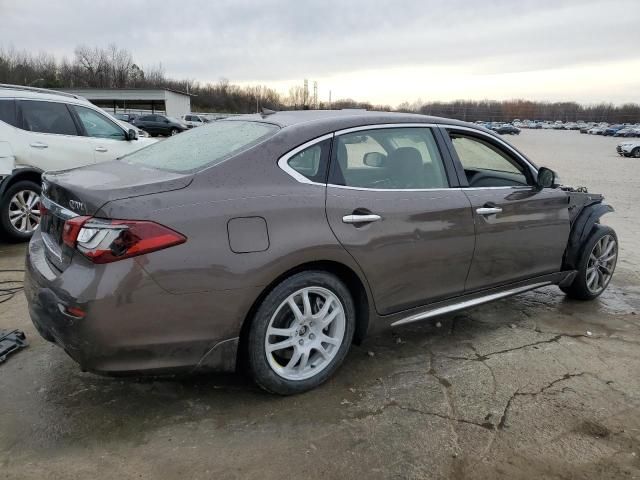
585	212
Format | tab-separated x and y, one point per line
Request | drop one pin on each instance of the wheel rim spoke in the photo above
295	309
306	303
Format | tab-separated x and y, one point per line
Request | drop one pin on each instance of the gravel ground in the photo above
534	386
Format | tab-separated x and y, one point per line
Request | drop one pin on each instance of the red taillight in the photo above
71	229
104	241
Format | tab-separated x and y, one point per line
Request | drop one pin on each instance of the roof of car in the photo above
344	118
19	91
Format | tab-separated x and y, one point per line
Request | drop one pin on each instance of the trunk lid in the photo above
82	191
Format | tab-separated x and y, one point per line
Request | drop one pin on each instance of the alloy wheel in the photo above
601	263
305	333
24	211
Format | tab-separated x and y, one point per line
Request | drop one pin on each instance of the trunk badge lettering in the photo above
76	205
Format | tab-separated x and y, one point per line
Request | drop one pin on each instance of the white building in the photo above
156	100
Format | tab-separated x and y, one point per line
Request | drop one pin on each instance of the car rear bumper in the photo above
130	324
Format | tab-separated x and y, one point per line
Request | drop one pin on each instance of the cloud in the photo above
274	40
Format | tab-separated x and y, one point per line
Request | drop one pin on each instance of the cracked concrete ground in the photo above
535	386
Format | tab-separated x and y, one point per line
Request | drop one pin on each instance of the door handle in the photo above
39	145
488	210
361	218
101	149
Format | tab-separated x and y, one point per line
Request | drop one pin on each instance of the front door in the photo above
108	139
390	204
521	231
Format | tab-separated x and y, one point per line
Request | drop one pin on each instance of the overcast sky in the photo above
385	52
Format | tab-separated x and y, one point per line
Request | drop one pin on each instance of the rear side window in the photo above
47	117
388	159
312	162
8	111
203	147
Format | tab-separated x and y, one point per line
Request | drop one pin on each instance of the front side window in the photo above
487	165
97	125
148	118
203	147
312	162
390	158
47	117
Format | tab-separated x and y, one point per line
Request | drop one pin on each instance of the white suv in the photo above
629	148
42	130
193	120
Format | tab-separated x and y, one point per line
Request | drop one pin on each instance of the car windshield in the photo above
203	147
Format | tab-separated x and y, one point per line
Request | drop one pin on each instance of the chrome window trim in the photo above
467	303
283	161
385	125
345	187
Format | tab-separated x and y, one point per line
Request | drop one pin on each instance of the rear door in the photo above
52	136
391	205
521	231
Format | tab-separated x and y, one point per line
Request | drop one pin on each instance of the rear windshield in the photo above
202	147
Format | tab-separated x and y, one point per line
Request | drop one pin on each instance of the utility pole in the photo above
305	94
315	95
329	99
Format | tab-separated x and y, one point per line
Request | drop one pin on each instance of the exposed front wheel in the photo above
596	265
174	131
20	210
635	152
301	333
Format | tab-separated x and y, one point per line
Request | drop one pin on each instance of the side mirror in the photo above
374	159
546	178
132	134
166	121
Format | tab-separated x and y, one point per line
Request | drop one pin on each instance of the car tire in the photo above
635	153
12	201
275	369
174	131
592	262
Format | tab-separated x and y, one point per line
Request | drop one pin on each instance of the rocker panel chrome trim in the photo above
467	303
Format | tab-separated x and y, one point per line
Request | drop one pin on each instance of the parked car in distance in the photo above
628	131
275	241
629	148
43	130
611	130
597	130
160	125
192	120
506	129
126	117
